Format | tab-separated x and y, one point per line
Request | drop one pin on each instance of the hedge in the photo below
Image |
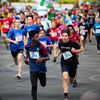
59	1
72	1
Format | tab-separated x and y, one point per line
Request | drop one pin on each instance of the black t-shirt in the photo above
82	28
91	19
68	58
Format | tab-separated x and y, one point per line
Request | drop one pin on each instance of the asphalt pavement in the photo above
13	89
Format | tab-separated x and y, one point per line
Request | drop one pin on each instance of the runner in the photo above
16	38
29	27
38	21
97	30
76	38
83	29
53	34
6	23
37	54
45	41
22	19
69	60
91	20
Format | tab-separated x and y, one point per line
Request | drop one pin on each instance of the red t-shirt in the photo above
53	35
75	37
6	22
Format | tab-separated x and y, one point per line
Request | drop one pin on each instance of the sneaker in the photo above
98	52
66	99
54	59
74	84
18	77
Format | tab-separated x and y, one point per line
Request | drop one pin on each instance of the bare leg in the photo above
19	57
65	82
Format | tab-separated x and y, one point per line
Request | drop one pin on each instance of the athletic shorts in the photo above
15	53
85	36
70	69
91	26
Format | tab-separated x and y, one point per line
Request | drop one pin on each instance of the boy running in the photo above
37	54
69	60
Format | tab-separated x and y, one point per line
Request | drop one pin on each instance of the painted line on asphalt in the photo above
95	78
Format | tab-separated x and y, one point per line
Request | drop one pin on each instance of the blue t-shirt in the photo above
45	40
36	51
74	17
29	28
97	29
17	35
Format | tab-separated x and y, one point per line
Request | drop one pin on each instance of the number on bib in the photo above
6	26
97	31
34	55
54	34
82	32
67	55
19	37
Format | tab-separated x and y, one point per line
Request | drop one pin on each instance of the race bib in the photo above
54	34
18	37
82	32
97	30
34	55
67	55
6	26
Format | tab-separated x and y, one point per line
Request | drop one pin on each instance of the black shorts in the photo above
85	36
70	69
15	53
91	26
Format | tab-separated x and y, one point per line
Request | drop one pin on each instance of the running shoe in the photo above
66	99
98	52
18	77
54	59
74	84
